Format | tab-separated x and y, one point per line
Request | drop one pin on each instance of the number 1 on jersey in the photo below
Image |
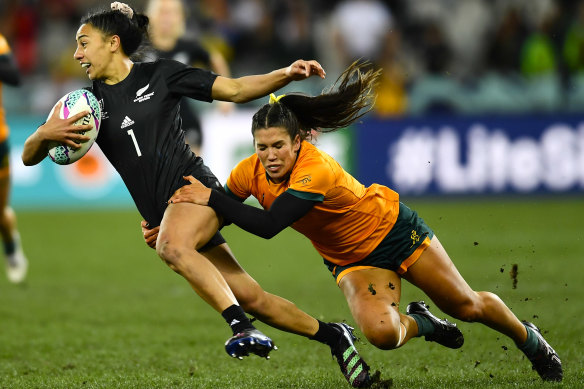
131	133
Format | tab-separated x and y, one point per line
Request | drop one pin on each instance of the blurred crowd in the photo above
438	56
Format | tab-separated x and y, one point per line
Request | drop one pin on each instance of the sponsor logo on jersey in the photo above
304	180
104	114
127	122
140	96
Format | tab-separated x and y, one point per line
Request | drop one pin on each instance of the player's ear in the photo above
114	43
296	143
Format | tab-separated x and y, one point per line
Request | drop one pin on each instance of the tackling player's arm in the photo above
285	210
244	89
54	129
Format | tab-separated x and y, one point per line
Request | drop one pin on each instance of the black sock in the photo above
9	247
326	334
236	318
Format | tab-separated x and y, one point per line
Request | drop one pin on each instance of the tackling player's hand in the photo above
196	193
150	234
302	69
64	130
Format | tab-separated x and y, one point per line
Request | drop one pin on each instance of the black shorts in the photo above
154	211
207	178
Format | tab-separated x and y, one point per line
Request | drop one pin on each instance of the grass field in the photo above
100	310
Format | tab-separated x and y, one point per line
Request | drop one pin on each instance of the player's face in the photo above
92	51
277	152
168	18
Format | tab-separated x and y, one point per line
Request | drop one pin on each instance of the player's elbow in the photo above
237	96
229	89
29	160
271	231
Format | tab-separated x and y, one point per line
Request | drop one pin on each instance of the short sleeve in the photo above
239	181
185	80
311	182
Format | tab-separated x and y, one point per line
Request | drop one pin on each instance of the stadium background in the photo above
479	125
511	70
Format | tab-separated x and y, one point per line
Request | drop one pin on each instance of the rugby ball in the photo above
74	102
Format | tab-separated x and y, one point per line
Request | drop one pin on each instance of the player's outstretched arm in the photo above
55	129
244	89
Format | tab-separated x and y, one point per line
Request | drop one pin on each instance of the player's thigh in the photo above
436	275
373	296
188	224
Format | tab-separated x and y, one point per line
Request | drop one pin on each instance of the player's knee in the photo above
170	253
384	334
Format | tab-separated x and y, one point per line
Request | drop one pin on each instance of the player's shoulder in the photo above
248	166
160	65
312	157
313	166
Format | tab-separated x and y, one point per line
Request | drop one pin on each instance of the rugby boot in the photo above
545	361
445	333
353	367
250	341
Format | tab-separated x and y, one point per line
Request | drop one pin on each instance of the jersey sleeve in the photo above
239	181
185	80
285	210
311	181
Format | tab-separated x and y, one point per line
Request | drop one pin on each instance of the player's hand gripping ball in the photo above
74	102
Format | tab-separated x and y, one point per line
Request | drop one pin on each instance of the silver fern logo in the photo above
140	96
141	91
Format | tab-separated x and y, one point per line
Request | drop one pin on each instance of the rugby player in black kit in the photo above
141	136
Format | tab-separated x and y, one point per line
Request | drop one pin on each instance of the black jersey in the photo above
190	52
187	51
141	131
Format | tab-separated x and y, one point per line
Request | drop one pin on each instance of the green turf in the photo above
100	310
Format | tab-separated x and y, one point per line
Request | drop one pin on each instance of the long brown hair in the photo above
350	97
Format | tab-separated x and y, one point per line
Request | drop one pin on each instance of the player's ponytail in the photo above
349	98
123	21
